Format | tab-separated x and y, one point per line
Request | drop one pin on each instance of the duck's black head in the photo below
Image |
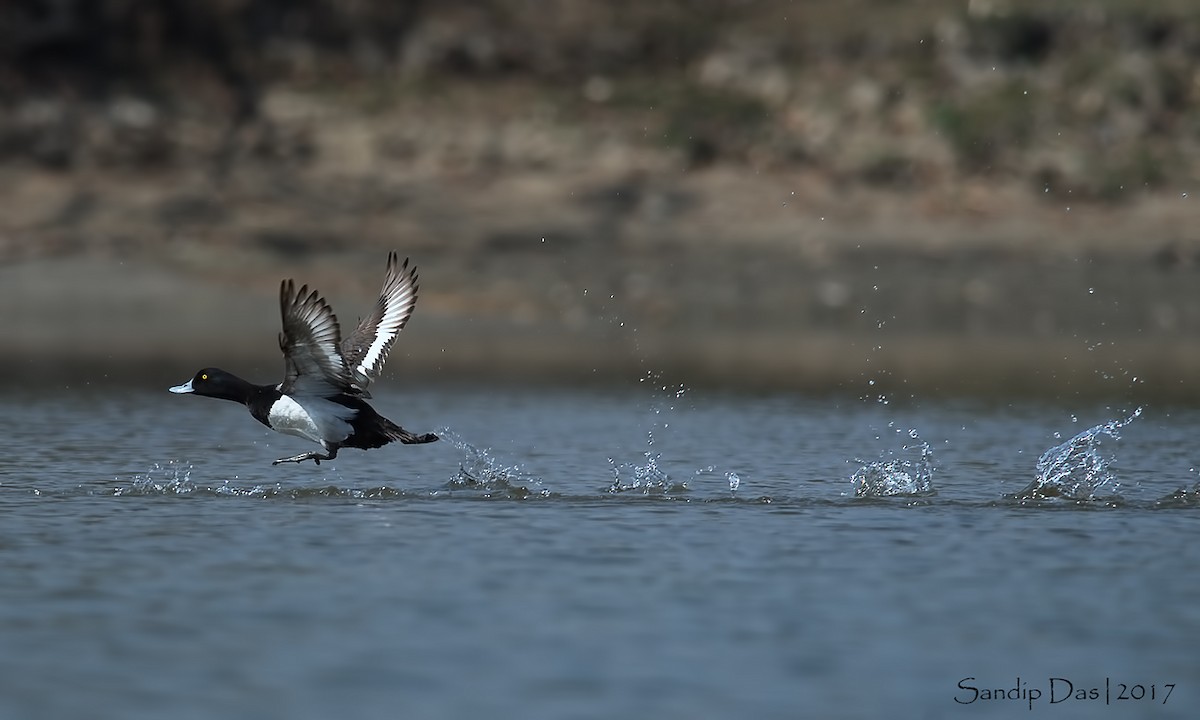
214	382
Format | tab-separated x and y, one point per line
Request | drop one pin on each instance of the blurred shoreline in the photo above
985	198
80	320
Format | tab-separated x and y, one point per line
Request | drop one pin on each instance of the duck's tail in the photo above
372	430
409	439
395	432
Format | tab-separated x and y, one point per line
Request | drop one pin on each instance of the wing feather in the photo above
366	349
311	344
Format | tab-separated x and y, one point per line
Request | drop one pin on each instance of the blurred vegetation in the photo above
764	188
1096	99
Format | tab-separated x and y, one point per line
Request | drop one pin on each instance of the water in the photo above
587	554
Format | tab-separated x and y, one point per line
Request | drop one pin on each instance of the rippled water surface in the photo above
648	553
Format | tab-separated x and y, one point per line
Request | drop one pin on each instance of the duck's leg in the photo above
315	456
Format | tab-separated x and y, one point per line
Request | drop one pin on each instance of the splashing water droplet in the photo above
178	480
893	475
479	471
647	477
1076	469
734	481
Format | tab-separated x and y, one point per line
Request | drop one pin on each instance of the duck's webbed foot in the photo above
315	456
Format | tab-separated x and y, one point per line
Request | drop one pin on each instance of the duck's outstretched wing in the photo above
311	342
366	349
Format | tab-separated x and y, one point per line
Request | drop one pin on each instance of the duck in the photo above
323	395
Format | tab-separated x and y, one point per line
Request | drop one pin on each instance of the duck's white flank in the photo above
319	420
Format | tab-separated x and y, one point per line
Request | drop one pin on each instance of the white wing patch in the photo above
399	308
367	347
318	420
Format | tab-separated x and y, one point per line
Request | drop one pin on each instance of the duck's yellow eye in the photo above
204	376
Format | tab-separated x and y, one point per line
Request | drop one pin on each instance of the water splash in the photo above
479	471
1078	469
646	476
174	478
894	475
669	395
279	492
702	476
143	486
